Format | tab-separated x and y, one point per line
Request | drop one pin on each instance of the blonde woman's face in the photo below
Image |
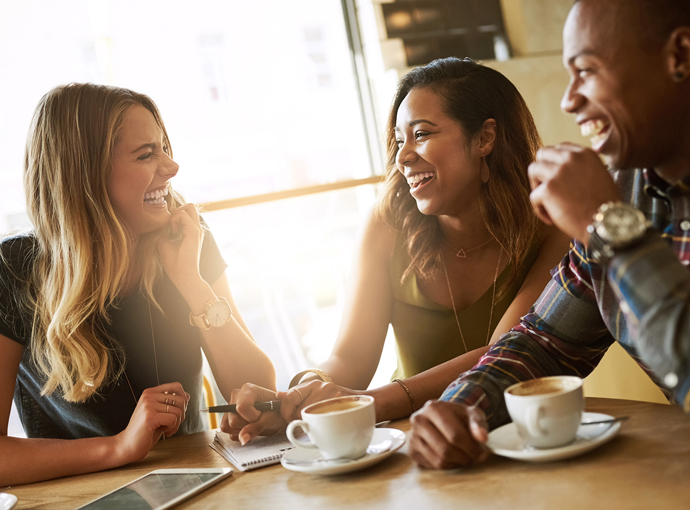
141	172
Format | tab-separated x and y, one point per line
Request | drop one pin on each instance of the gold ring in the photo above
167	409
165	393
300	394
166	400
173	401
173	393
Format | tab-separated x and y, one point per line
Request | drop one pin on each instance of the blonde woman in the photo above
452	257
106	304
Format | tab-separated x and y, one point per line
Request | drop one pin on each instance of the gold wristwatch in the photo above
216	314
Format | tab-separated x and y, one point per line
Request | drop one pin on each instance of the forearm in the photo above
653	288
31	460
393	402
234	357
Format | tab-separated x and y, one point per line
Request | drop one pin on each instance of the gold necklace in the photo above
462	253
155	360
493	300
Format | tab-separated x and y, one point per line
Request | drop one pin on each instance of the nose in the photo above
406	155
572	99
168	168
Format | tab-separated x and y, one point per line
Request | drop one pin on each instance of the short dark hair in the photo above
653	20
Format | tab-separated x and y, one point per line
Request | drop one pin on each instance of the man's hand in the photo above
569	184
446	435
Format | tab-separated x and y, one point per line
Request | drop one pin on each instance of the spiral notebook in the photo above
259	452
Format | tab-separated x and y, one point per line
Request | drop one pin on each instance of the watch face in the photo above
218	313
622	224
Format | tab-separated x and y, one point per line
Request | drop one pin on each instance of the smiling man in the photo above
626	277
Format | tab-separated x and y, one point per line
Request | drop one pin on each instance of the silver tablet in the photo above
160	489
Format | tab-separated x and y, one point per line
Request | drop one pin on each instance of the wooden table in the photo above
646	466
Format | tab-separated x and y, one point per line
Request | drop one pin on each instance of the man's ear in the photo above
487	136
678	50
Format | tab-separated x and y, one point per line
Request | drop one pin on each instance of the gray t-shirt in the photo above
177	352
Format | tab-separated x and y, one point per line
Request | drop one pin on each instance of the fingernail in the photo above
244	439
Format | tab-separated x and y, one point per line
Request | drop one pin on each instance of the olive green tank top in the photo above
426	333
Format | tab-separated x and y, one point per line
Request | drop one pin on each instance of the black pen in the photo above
273	405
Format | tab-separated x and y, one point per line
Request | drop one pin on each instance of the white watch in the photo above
217	314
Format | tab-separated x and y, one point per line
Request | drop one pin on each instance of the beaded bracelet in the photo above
409	393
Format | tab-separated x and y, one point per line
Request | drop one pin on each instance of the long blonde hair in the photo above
83	251
471	93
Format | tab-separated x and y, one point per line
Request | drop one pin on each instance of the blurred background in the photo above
276	112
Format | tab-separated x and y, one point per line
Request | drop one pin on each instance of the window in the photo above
261	101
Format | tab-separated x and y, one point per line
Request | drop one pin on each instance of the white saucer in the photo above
384	443
506	442
7	501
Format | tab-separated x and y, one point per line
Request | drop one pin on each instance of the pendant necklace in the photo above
155	360
493	298
462	253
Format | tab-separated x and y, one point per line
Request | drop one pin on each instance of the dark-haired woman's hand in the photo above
160	410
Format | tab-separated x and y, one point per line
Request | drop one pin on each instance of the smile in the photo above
156	197
596	130
419	179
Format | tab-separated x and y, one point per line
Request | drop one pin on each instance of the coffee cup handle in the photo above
534	416
290	433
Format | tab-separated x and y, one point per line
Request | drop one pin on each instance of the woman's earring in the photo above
679	75
484	173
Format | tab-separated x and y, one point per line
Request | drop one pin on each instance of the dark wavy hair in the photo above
470	93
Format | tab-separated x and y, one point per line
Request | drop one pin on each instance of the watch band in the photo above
201	321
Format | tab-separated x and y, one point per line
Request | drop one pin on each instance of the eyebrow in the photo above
586	53
151	146
418	121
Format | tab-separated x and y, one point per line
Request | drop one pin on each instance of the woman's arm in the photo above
367	312
232	353
31	460
234	357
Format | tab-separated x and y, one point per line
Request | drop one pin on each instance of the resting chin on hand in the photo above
446	435
569	184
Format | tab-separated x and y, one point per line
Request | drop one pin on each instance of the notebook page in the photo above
259	452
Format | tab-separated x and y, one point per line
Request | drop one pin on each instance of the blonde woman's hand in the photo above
152	418
248	423
180	251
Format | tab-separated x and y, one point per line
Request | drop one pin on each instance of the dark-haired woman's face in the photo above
141	171
439	162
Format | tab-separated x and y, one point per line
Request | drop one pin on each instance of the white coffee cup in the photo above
546	411
341	427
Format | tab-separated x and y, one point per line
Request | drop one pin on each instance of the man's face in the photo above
619	90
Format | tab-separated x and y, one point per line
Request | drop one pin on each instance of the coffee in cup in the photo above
546	411
341	427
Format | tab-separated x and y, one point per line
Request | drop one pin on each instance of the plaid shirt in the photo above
641	299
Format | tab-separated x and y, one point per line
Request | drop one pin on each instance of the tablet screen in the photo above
152	491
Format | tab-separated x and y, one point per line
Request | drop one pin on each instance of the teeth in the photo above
156	194
592	127
156	197
415	179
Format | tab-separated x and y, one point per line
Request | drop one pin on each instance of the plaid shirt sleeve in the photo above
563	334
653	289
